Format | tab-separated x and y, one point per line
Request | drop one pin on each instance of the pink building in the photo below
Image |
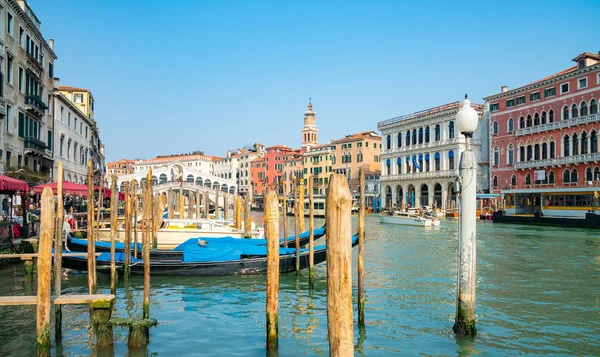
545	134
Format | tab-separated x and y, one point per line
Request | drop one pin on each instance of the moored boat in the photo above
218	259
408	218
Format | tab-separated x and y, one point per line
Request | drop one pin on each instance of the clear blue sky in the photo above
176	76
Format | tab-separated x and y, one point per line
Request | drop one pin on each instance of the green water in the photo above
538	293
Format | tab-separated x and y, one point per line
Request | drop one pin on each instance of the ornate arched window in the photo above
511	125
551	116
495	182
414	137
388	142
496	156
427	134
420	135
536	151
451	130
528	179
544	118
593	106
551	177
536	119
584	143
589	175
566	176
574	176
528	120
593	142
436	160
451	159
387	167
566	141
583	109
399	140
521	123
574	111
399	165
544	150
437	132
407	141
510	154
565	113
552	153
513	180
575	144
495	128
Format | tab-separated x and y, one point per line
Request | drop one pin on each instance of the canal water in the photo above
538	294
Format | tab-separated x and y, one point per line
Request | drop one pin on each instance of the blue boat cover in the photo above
118	245
119	257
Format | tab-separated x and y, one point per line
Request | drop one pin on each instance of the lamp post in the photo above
466	120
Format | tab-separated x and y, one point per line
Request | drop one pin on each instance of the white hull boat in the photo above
176	231
408	219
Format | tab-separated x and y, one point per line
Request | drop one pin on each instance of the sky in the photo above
177	76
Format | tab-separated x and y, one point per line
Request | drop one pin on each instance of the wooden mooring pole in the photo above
197	201
170	203
181	207
361	250
311	236
114	222
135	203
238	209
91	257
206	204
156	218
339	268
127	228
190	210
217	189
44	267
301	200
271	219
58	247
146	247
284	214
225	206
247	219
297	223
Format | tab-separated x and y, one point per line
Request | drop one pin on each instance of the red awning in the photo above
74	189
9	184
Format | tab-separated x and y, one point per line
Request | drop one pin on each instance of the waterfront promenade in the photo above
537	295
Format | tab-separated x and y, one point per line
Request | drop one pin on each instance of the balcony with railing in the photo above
429	145
34	62
559	161
35	105
420	175
561	124
35	144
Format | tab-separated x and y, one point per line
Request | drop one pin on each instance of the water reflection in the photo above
537	290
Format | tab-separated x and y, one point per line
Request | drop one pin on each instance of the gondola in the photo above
80	245
251	261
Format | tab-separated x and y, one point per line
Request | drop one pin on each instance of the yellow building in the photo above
81	97
318	167
355	151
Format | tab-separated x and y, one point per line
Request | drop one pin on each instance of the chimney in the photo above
504	89
52	44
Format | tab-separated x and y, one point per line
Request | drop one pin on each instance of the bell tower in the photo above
310	133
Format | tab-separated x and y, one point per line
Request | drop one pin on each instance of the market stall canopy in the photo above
71	188
11	185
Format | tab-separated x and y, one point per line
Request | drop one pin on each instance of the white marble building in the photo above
420	156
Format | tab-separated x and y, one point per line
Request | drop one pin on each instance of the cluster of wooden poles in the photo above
101	305
339	260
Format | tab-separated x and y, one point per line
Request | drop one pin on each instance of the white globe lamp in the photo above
467	118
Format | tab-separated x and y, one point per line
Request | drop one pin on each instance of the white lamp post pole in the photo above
467	120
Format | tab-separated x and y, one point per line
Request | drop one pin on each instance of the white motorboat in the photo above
176	231
408	218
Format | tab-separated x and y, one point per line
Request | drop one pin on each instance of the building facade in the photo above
236	166
318	167
83	100
420	157
26	86
356	151
545	134
119	168
72	139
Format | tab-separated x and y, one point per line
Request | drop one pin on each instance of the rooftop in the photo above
359	136
454	106
180	157
72	89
